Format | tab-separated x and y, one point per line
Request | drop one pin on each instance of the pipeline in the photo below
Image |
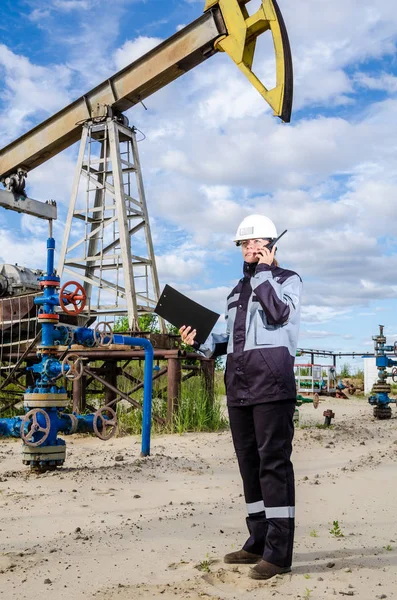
45	402
379	397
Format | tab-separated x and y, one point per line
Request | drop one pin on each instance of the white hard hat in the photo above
255	226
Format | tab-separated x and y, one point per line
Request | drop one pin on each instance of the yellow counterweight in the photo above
225	26
240	42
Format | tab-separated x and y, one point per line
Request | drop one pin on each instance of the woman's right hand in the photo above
187	334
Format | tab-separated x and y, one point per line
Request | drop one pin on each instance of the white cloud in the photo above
173	267
68	5
29	90
13	250
313	334
133	49
321	314
213	152
385	82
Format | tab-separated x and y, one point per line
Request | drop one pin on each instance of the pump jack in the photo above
226	26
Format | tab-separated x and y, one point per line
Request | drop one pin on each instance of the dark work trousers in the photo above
262	436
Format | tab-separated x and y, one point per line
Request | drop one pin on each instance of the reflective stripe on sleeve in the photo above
255	507
280	512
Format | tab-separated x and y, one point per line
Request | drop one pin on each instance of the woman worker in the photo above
262	316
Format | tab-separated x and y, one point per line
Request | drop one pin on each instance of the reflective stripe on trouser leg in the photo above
244	440
274	433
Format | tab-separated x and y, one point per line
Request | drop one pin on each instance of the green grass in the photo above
336	530
313	533
205	564
195	410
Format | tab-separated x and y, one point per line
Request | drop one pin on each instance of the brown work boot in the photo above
265	570
241	557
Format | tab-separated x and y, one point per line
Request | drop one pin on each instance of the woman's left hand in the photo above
187	334
265	256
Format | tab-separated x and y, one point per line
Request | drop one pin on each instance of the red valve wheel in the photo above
74	295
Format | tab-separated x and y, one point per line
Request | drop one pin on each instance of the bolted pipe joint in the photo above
10	427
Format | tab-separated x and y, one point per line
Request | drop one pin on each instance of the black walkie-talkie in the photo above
273	242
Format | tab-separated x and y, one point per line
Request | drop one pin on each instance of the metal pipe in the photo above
50	255
10	427
172	58
60	423
147	389
114	354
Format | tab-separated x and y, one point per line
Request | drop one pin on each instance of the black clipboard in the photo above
179	310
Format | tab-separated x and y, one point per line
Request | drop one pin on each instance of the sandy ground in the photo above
111	525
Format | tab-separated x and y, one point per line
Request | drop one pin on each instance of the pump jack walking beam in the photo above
23	204
224	27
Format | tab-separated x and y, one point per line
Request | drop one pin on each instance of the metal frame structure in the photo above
225	26
333	355
112	257
106	373
315	378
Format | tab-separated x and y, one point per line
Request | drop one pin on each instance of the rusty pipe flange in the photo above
45	403
50	452
49	282
44	458
53	321
45	397
379	388
48	317
35	427
47	349
382	412
74	419
106	422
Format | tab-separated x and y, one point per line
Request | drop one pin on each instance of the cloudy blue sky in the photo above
214	153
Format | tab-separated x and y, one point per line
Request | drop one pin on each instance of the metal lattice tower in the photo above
107	242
